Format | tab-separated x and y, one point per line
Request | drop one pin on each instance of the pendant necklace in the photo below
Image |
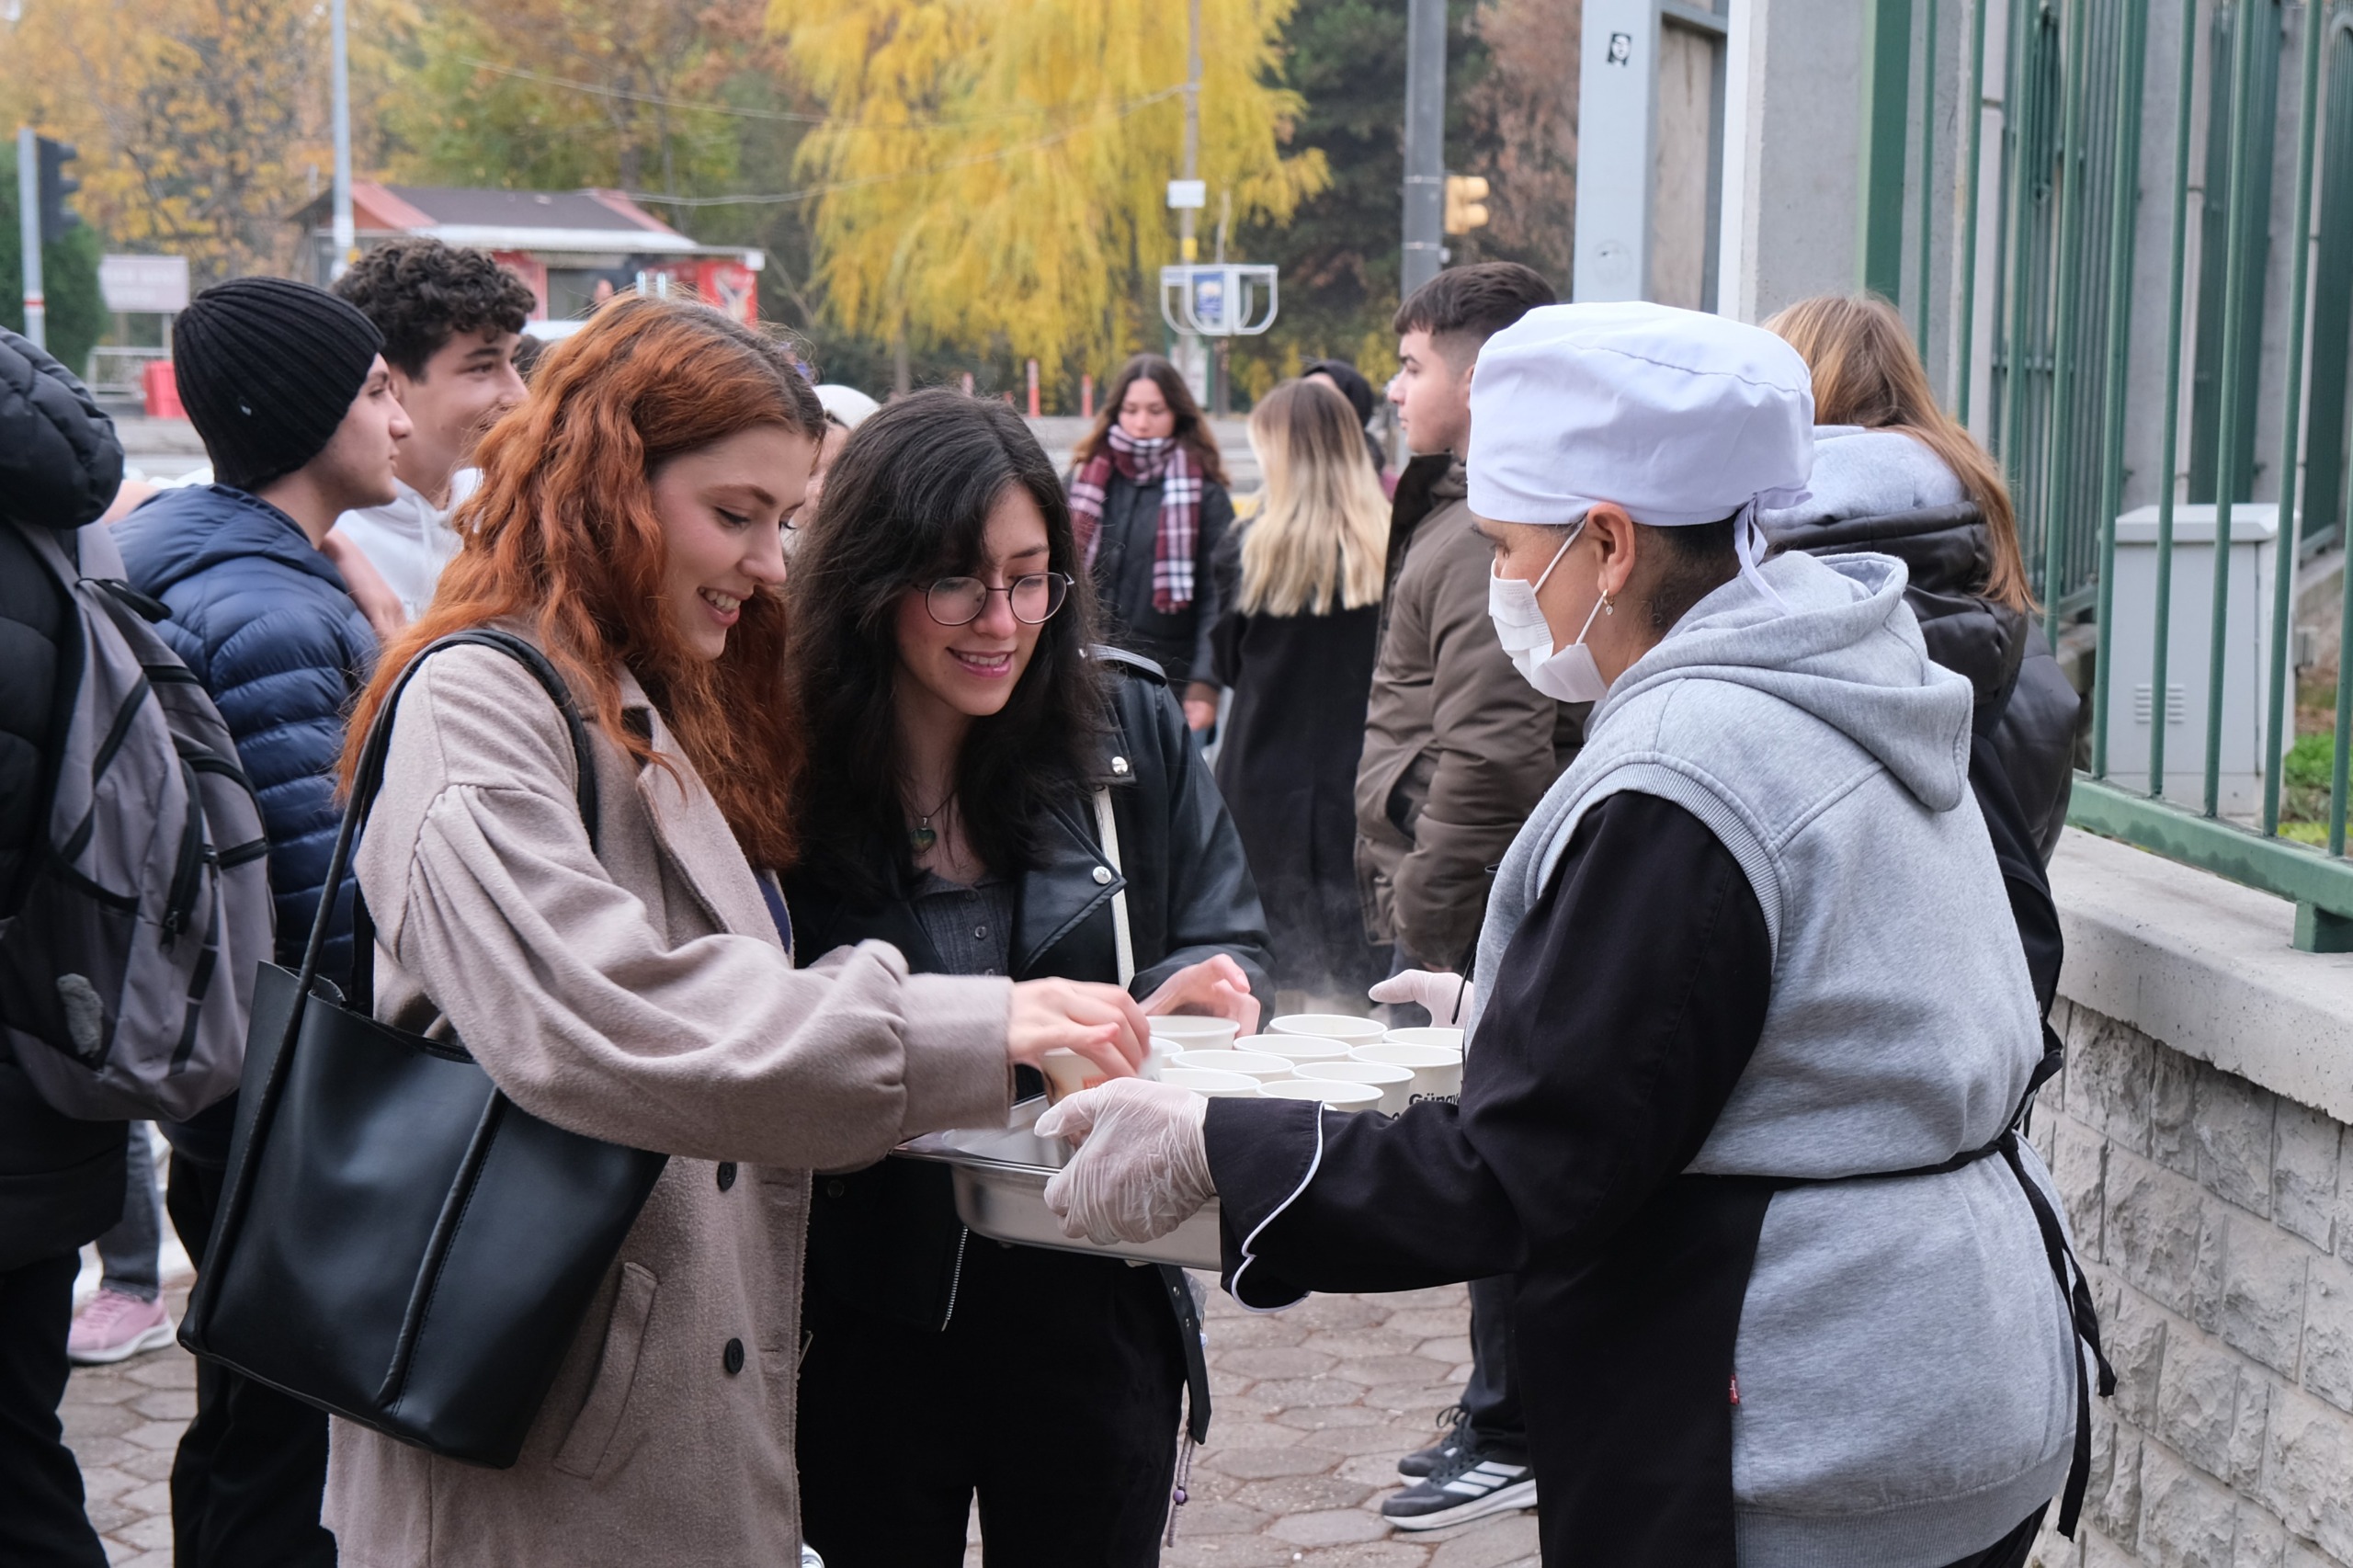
923	835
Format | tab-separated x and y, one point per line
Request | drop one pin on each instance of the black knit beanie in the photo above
267	367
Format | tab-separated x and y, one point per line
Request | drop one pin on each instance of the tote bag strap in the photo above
1107	828
368	778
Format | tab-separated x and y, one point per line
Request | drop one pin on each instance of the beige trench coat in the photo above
639	994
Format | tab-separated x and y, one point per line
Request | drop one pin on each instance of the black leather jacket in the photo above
884	1239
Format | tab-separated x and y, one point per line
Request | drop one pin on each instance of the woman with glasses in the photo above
965	737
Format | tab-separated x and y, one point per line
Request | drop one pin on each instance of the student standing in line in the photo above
1742	1110
965	736
1148	497
1300	584
1349	382
1458	749
61	1177
288	386
452	319
642	989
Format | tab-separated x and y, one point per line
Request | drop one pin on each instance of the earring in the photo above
1607	607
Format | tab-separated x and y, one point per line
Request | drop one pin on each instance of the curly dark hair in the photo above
420	294
907	501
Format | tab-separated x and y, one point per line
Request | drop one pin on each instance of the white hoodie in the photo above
409	539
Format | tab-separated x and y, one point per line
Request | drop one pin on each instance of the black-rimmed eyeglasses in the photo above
959	601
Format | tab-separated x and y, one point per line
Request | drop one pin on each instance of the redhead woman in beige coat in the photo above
628	522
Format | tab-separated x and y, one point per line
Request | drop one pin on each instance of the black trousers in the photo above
1491	1394
252	1468
41	1521
1053	1394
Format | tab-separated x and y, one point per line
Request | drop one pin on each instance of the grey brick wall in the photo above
2215	1218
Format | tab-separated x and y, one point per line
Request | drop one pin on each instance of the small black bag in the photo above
397	1242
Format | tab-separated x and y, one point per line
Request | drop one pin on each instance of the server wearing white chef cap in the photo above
1754	1036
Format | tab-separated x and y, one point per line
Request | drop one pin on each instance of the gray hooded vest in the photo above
1905	1387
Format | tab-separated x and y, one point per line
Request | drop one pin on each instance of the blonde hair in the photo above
1320	542
1866	372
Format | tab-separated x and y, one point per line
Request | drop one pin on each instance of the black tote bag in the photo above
397	1242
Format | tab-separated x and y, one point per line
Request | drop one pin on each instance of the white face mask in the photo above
1569	675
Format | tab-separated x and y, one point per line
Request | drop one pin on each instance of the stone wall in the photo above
2215	1218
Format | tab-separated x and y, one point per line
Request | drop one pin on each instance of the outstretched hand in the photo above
1142	1167
1447	997
1100	1022
1215	986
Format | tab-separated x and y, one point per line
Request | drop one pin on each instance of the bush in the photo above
77	313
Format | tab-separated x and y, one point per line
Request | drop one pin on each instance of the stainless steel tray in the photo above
1000	1179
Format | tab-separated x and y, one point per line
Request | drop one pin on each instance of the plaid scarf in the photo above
1142	462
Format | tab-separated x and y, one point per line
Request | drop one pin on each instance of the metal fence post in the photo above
2234	278
2282	695
2184	86
2123	203
2075	167
1974	107
1887	86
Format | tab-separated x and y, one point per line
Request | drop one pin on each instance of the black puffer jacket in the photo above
1128	544
885	1240
60	1180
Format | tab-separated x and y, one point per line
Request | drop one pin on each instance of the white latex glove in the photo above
1141	1169
1447	997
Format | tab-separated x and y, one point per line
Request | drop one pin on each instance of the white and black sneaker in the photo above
1465	1486
1421	1461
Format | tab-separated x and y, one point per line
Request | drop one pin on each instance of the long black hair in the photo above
906	502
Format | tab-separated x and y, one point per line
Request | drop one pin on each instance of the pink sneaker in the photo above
115	1327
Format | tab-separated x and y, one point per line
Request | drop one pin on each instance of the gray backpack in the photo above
127	968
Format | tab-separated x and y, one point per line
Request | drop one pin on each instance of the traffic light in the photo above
56	188
1466	203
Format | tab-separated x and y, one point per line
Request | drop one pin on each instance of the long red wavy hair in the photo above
563	534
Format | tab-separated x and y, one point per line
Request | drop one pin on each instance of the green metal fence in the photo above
2072	194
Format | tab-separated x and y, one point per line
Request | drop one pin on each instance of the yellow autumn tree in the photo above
203	124
1000	171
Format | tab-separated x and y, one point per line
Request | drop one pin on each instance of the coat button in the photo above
1102	876
1119	765
834	1189
733	1357
726	1174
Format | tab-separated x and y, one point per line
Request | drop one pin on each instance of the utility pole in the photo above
1193	356
1424	142
346	233
28	231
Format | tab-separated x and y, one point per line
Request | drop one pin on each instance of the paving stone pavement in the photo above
1312	1406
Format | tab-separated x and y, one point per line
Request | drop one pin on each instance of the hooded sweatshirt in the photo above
1904	1358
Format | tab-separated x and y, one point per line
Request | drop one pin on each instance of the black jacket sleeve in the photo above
1217	517
1626	1010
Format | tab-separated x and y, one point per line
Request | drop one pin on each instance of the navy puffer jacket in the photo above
268	625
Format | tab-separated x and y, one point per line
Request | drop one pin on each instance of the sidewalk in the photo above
1312	1407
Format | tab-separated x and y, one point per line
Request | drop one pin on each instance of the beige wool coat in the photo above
641	994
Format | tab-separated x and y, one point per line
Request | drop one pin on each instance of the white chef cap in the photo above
1678	416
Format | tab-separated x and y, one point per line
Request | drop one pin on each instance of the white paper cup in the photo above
1193	1032
1251	1063
1438	1072
1296	1047
1211	1083
1451	1039
1330	1026
1067	1073
1339	1096
1396	1084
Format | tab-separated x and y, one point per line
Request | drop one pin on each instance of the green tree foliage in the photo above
1511	74
69	266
